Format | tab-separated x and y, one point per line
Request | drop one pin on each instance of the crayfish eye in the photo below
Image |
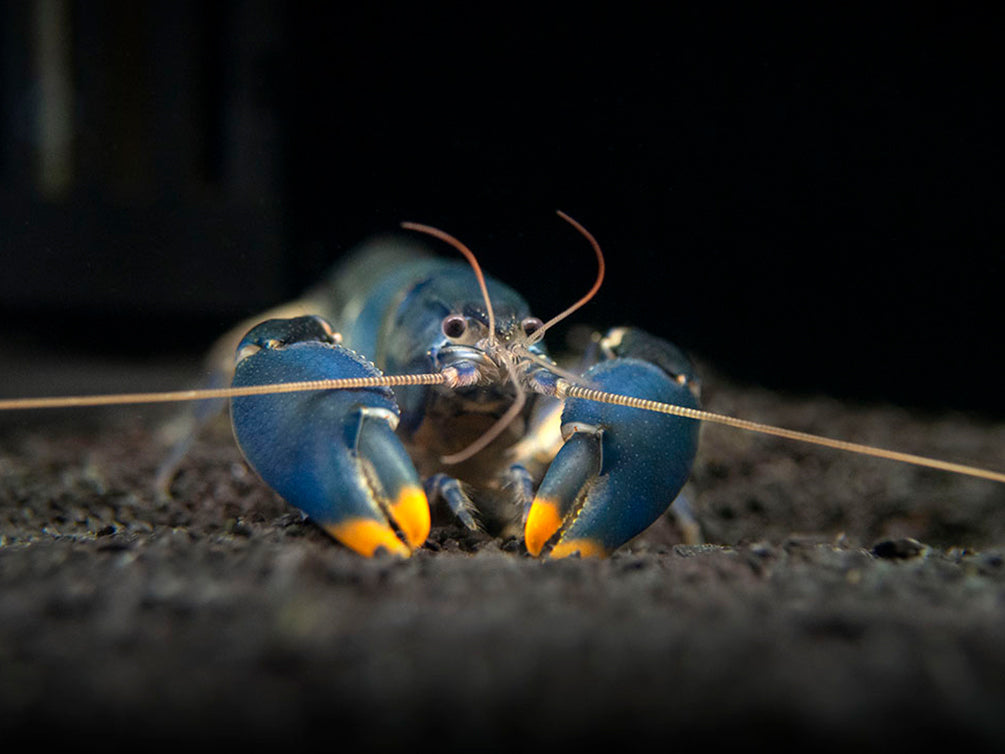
531	325
454	325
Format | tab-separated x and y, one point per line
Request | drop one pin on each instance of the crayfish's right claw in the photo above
332	453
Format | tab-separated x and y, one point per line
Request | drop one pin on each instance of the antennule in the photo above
472	260
601	268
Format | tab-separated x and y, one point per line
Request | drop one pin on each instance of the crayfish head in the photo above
472	354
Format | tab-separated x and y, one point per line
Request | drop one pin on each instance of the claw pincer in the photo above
620	468
331	453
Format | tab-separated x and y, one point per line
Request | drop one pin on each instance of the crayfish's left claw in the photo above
620	468
331	453
576	465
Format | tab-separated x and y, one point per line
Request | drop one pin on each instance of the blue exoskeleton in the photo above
352	460
332	453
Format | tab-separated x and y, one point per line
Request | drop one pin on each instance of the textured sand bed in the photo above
839	602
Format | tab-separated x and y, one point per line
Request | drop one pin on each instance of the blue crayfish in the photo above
353	460
478	405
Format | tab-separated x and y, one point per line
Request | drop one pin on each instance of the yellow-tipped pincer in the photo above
367	535
410	512
543	521
587	548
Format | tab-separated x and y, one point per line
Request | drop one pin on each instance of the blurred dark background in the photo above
812	202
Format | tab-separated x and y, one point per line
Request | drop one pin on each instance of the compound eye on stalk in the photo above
531	325
454	326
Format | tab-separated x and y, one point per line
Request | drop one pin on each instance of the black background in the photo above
809	201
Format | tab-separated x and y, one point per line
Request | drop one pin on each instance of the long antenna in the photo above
176	396
566	389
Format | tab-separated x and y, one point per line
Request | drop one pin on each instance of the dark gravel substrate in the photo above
844	602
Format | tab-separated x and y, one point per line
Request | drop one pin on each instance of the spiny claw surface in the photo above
333	454
620	468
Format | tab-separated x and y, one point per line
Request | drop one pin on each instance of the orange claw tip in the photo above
542	522
367	535
587	548
410	512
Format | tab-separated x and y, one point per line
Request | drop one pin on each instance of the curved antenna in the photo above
601	268
472	260
496	429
